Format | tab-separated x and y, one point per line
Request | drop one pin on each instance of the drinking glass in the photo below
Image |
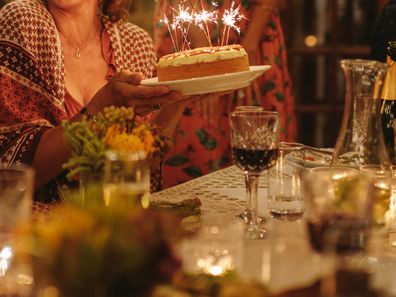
126	179
16	191
284	185
339	204
246	215
381	178
254	144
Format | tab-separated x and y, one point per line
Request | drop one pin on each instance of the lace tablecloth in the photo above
222	193
284	260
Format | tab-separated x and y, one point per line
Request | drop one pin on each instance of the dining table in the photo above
284	261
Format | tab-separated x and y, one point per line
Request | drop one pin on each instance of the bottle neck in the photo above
389	89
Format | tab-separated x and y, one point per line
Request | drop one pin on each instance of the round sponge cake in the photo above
203	61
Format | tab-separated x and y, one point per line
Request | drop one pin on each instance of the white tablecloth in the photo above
284	260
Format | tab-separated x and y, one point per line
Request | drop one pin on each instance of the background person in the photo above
203	145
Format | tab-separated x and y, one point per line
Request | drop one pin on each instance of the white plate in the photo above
211	84
313	158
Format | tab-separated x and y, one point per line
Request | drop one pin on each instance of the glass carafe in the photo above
360	140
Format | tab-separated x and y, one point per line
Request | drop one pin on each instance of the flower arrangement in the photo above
98	253
113	129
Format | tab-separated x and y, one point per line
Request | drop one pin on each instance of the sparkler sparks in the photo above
202	19
178	20
230	19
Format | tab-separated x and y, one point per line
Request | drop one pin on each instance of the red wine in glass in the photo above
254	160
344	234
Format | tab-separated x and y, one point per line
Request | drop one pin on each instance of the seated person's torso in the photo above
87	74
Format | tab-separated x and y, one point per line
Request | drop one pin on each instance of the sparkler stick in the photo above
230	19
165	20
186	15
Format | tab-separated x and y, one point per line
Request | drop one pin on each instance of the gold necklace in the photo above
77	53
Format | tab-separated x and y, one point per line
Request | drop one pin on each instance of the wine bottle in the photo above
388	108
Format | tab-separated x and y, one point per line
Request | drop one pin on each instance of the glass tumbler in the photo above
285	199
16	193
126	179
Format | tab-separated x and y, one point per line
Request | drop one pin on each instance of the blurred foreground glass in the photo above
126	180
338	212
16	195
360	140
285	199
216	249
246	215
254	143
381	179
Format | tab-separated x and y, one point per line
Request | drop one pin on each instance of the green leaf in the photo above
279	96
202	135
277	61
268	87
245	4
272	25
193	171
211	144
177	160
225	161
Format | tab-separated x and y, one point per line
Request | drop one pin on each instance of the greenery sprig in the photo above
113	129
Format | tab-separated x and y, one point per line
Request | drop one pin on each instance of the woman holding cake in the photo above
61	60
202	145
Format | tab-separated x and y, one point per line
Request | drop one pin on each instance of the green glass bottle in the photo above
388	108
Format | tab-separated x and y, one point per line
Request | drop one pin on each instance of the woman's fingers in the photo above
155	101
129	77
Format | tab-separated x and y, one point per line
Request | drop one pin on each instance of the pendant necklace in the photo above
77	53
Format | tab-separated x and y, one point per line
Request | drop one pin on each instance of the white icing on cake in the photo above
202	55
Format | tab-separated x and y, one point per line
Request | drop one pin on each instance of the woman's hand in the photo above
124	89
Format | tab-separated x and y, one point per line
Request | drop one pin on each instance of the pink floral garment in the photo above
202	146
32	90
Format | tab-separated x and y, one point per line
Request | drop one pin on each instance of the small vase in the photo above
91	188
126	179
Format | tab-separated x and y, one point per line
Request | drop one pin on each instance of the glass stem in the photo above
248	203
254	203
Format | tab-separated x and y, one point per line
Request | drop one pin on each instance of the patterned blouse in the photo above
32	76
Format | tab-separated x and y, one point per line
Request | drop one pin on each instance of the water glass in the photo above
126	179
16	192
216	249
285	199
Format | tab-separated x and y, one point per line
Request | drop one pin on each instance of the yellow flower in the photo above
140	139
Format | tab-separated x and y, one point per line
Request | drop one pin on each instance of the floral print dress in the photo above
202	145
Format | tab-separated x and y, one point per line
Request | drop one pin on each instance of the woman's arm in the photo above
122	90
261	11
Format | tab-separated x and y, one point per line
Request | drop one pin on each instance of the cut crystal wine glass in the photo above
254	143
246	215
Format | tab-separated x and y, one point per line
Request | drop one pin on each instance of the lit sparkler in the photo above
185	15
182	21
230	19
202	19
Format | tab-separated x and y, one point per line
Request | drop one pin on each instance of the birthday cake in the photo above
203	61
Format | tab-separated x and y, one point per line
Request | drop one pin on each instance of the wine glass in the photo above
246	215
254	144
